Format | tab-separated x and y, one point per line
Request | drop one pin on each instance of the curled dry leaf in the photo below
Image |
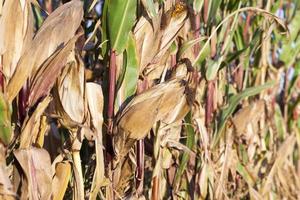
44	79
59	28
95	104
16	31
36	166
69	93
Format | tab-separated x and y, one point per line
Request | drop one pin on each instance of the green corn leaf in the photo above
5	124
213	8
190	142
121	18
132	70
104	47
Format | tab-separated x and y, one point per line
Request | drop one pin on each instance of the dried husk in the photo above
155	36
136	119
69	93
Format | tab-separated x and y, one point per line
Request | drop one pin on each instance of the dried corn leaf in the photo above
61	180
36	165
16	31
31	127
44	79
59	28
147	40
95	104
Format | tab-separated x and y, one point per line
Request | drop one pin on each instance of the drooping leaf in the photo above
59	28
212	69
95	104
189	44
44	79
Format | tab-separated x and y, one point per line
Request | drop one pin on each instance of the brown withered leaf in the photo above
31	126
44	79
153	38
136	119
16	31
36	166
59	28
95	104
61	180
69	93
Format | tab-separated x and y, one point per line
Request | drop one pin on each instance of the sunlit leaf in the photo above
121	18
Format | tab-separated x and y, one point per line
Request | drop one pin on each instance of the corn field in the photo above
149	99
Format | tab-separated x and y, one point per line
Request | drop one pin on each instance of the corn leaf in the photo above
121	18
